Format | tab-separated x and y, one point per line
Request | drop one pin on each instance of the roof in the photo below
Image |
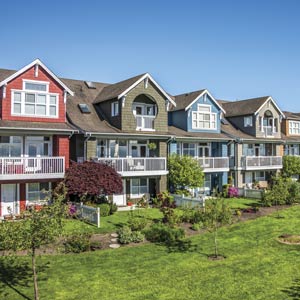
91	122
183	100
33	63
36	126
291	115
243	107
112	91
182	134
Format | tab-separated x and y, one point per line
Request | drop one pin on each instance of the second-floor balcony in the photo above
268	130
145	123
261	162
26	168
142	166
214	164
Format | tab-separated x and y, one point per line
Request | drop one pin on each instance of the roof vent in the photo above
84	108
90	84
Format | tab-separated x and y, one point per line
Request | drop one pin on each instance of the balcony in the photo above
19	168
261	162
142	166
145	123
268	130
214	164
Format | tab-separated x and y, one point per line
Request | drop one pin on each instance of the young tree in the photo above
217	213
184	171
91	179
38	228
291	165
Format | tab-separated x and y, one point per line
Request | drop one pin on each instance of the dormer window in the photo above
35	100
204	118
248	121
115	109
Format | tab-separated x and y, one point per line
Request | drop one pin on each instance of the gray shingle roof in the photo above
114	90
183	100
291	116
242	107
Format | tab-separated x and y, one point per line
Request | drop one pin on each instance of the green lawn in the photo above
241	202
256	267
110	223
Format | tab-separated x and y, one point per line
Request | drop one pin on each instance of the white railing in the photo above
261	162
214	163
145	122
88	214
181	200
250	193
31	167
141	164
268	130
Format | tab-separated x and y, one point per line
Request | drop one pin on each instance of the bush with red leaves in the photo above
91	179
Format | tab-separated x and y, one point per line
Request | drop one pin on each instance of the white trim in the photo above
139	185
114	111
36	62
47	83
270	98
200	95
147	75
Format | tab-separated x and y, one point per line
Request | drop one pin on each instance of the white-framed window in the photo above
248	121
34	100
189	149
10	146
145	115
101	148
294	127
115	109
37	192
138	187
203	118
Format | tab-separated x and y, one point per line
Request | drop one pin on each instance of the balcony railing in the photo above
214	164
12	168
261	162
137	166
145	122
268	130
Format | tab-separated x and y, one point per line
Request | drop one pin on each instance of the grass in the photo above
241	202
110	223
257	267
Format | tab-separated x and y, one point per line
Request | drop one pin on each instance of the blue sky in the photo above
235	49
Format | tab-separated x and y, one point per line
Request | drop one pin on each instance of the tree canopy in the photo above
184	171
92	179
291	165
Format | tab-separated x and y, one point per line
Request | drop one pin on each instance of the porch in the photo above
261	162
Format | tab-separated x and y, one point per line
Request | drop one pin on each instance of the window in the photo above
37	192
189	149
294	127
10	146
35	100
203	118
101	148
248	121
115	109
138	187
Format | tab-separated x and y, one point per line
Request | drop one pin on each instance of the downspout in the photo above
87	135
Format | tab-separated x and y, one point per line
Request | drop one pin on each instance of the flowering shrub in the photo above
232	192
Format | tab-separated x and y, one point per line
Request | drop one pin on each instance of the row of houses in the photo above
46	121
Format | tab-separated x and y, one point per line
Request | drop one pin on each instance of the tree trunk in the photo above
216	243
36	292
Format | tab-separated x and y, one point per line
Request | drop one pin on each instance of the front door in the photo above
9	199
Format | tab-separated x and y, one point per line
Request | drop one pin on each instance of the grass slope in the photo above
256	267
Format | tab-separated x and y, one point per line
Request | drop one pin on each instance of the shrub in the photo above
160	233
137	237
187	214
126	236
137	223
232	192
172	216
104	210
198	216
196	226
294	193
225	188
77	243
113	208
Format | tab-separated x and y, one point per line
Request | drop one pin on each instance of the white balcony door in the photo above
10	199
203	152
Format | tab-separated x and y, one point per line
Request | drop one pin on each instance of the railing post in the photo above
98	217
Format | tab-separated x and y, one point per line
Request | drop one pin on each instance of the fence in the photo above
181	200
88	214
251	193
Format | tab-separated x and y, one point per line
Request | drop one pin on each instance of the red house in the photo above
34	135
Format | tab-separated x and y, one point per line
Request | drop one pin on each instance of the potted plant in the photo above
152	147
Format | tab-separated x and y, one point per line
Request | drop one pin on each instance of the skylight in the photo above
84	108
90	84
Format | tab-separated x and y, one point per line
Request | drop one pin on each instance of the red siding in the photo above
22	197
17	84
61	148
